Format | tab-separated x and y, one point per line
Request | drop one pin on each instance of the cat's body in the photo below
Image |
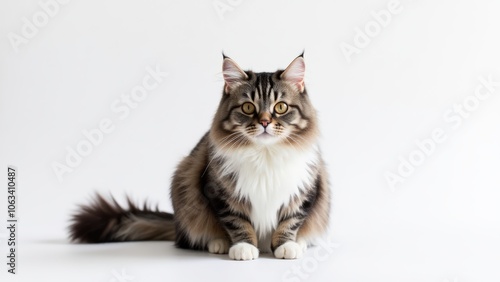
255	181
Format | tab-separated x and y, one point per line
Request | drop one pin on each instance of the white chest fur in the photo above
269	177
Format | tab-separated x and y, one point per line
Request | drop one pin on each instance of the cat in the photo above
255	182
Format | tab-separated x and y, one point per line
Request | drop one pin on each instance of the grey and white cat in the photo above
254	182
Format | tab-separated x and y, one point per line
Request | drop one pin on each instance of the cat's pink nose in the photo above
264	122
265	119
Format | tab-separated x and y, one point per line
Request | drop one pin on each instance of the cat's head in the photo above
263	109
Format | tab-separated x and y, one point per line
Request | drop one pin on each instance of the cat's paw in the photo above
218	246
289	250
243	251
303	244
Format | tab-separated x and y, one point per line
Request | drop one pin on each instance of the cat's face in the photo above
262	109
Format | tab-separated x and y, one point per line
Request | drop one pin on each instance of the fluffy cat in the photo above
254	182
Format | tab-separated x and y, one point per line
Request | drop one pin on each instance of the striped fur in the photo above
106	221
255	181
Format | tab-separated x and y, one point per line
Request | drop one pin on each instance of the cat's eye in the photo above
248	108
281	108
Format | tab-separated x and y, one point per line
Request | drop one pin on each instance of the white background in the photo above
441	224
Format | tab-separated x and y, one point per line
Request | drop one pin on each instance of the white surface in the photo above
442	223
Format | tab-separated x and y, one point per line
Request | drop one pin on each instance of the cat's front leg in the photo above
243	238
284	240
242	234
232	215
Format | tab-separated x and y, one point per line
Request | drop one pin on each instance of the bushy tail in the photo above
106	221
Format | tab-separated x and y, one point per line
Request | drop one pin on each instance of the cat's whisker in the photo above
242	142
234	136
234	139
286	139
230	135
299	142
218	150
237	141
302	138
299	148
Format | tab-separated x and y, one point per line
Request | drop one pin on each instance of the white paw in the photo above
218	246
243	251
303	244
289	250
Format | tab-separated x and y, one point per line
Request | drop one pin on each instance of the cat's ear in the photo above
294	73
233	74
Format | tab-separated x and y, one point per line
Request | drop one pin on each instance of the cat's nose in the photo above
265	119
264	122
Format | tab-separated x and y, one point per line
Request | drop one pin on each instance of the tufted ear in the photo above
233	75
294	73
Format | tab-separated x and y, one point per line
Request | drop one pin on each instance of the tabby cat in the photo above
254	182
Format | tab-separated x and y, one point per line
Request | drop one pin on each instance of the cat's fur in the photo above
255	181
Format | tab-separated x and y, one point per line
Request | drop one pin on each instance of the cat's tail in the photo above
106	221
